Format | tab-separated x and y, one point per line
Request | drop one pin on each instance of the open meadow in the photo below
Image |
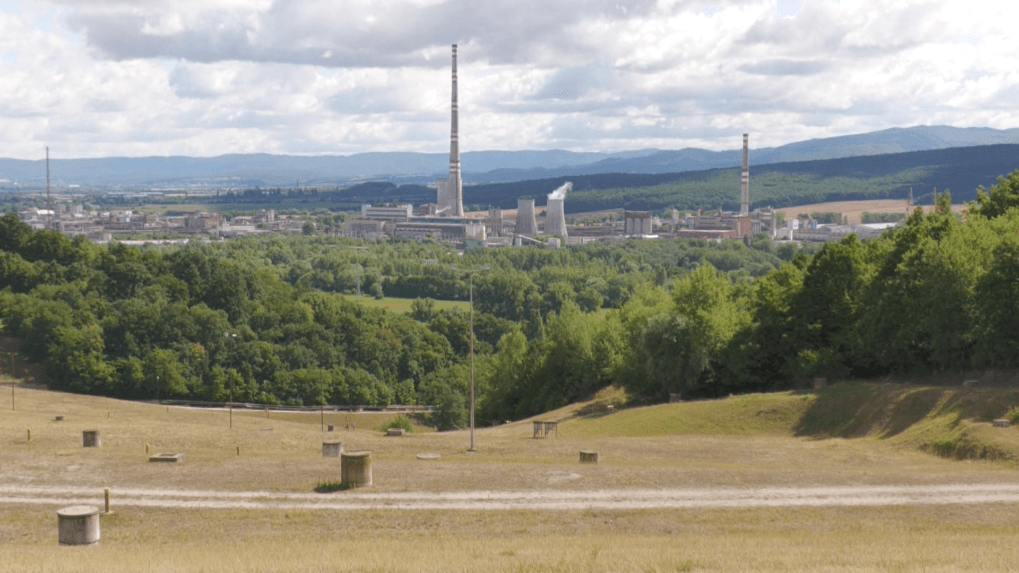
835	480
403	305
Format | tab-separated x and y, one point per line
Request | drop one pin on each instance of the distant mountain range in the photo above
262	170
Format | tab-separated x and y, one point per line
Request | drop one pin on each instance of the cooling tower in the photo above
555	218
525	218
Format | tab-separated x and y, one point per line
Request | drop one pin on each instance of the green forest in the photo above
272	316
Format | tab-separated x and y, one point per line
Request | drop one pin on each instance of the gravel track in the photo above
626	499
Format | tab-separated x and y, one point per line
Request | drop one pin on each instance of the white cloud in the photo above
201	77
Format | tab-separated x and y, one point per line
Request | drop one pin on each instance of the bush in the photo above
1013	415
399	422
329	486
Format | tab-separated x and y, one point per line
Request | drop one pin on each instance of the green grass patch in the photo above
753	414
331	486
402	305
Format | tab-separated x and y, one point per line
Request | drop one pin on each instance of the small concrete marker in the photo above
91	439
395	432
332	449
170	458
356	468
59	419
78	525
1002	423
589	457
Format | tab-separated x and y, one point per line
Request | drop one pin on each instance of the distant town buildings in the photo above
100	226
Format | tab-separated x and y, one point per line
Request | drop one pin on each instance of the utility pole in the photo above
472	360
49	203
230	406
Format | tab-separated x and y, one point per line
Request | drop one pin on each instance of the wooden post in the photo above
106	495
322	411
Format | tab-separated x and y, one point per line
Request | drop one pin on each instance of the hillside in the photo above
948	421
479	167
960	170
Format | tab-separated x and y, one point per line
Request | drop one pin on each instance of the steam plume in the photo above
561	192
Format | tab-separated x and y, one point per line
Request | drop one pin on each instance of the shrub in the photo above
329	486
1013	415
399	422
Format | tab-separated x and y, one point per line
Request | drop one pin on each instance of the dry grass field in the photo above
745	442
854	210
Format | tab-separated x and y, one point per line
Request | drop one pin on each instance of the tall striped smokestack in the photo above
456	184
744	201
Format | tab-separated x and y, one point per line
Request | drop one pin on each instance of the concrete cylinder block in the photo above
91	439
588	457
332	449
356	468
78	525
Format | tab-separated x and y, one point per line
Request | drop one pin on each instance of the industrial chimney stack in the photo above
744	201
450	193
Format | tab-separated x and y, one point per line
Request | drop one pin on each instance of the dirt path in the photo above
523	500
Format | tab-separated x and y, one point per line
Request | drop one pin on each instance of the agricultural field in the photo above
855	209
830	480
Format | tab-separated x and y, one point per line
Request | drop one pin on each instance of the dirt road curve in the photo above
522	500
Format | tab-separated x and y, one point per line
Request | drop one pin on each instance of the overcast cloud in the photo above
96	78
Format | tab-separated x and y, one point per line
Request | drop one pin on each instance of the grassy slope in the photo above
951	422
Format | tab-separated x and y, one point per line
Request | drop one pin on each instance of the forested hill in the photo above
960	170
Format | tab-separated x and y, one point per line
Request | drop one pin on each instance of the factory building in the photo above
389	211
638	223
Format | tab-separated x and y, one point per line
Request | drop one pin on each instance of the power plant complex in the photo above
444	220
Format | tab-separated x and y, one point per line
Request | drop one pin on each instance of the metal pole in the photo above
230	406
472	361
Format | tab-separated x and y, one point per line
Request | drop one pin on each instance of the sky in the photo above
111	78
